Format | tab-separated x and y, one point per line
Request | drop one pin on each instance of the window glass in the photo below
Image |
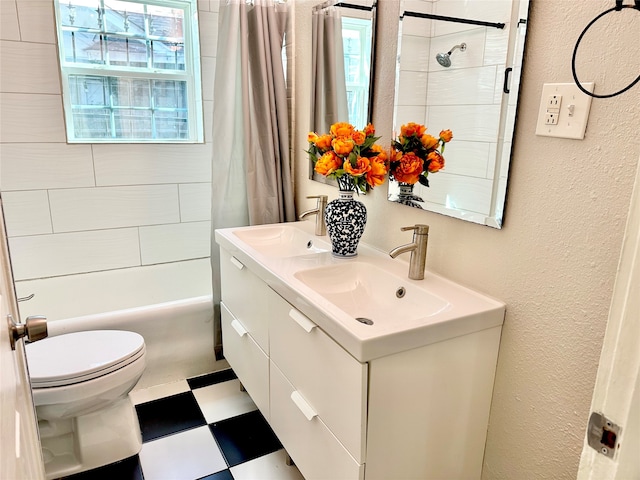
130	70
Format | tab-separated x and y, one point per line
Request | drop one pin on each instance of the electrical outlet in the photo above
551	118
553	103
564	110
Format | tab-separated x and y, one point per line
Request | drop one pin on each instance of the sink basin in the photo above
282	240
370	294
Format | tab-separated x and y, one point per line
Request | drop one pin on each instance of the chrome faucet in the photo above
321	228
418	249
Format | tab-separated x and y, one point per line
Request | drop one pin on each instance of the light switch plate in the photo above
571	118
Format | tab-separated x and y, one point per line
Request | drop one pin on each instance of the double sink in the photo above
366	303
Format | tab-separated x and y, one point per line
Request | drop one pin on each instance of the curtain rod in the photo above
355	7
452	19
330	3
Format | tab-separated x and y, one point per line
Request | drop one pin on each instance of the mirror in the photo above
458	68
342	64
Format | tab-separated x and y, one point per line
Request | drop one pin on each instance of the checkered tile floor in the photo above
200	428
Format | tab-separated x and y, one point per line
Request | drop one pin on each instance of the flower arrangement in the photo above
416	154
350	156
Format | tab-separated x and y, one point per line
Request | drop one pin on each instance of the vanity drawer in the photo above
247	359
332	381
316	451
245	295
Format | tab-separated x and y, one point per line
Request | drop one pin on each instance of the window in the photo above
356	41
130	70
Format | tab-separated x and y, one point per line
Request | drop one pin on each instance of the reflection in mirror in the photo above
342	62
459	66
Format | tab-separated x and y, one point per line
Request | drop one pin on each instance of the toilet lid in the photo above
81	356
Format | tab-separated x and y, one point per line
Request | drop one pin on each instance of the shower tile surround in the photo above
469	92
93	212
202	427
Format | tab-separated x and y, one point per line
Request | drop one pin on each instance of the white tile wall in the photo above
495	11
99	208
467	158
413	88
195	202
477	123
140	165
414	53
85	294
27	213
113	207
31	118
9	20
462	86
208	23
36	21
171	243
30	166
35	64
465	193
62	254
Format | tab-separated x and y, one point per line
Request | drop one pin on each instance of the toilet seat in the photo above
81	356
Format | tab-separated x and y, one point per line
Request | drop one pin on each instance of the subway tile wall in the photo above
468	94
79	217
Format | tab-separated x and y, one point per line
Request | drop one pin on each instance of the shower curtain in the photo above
328	84
252	180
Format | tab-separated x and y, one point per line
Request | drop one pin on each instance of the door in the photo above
20	455
615	439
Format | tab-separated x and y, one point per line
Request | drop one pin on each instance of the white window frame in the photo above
192	76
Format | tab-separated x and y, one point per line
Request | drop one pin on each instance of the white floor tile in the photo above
223	400
190	454
158	391
268	467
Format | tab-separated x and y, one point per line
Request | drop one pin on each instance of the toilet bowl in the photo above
80	383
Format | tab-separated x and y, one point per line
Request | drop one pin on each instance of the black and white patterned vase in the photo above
345	219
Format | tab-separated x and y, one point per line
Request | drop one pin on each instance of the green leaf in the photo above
423	180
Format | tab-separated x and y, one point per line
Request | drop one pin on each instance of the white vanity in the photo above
361	372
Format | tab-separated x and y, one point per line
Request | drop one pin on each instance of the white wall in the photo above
91	215
554	262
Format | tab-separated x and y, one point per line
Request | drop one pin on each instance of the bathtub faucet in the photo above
321	229
418	249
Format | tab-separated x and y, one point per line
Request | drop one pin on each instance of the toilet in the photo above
81	383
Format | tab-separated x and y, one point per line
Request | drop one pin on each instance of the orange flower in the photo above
378	171
409	169
429	141
342	129
358	137
328	163
362	166
446	135
324	142
312	137
382	155
437	162
342	146
369	130
412	129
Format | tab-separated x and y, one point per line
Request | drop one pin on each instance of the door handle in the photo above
34	328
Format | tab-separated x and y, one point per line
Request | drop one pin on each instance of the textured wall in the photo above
554	261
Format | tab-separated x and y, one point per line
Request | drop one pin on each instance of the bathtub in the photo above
178	336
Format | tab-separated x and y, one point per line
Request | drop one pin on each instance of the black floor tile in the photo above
223	475
169	415
245	437
127	469
212	378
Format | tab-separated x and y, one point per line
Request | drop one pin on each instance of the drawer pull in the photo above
237	263
237	326
302	404
301	320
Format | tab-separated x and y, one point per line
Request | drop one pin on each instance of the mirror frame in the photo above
357	5
495	198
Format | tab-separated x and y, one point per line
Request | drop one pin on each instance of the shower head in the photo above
444	59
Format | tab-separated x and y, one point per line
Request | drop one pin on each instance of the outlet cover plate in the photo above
573	113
